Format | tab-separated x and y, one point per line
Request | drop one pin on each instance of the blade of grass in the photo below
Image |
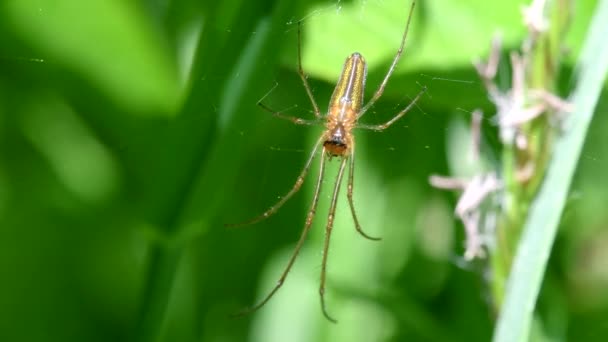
515	319
197	136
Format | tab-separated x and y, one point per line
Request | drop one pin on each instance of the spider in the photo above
345	109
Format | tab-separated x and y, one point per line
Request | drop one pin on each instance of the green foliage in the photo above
129	134
103	42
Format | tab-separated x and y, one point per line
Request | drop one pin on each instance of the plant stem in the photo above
524	164
540	228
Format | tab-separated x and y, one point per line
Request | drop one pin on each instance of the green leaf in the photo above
444	34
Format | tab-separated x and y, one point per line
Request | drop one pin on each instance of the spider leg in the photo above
385	125
296	187
349	194
280	115
328	229
309	217
303	76
380	89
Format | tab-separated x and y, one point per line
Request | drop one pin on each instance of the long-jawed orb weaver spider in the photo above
345	109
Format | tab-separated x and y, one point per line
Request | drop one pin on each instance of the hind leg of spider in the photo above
328	230
309	217
280	115
296	187
349	194
380	89
382	127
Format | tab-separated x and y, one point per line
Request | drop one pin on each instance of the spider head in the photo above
336	143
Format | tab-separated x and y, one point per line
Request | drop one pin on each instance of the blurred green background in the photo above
129	134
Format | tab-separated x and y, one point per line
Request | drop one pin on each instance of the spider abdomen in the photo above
348	94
